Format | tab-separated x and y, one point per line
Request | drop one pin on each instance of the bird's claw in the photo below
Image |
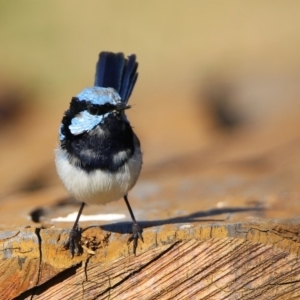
73	243
136	235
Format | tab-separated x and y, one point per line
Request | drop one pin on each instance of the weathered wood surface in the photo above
257	260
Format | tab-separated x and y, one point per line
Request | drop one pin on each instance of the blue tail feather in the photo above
129	77
115	71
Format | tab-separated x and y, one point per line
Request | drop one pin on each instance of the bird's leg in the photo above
136	229
73	242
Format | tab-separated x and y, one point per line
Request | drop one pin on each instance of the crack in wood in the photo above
111	287
8	235
85	268
13	248
246	265
40	289
288	282
37	232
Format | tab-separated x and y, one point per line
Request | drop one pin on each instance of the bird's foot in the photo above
74	242
136	235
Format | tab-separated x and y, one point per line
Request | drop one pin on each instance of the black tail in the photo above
115	71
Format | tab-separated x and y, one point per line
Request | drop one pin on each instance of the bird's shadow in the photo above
126	227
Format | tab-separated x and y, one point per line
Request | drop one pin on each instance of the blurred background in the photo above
214	78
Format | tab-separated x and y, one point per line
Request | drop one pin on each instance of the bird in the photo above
99	157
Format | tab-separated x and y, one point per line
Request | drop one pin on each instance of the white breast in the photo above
98	187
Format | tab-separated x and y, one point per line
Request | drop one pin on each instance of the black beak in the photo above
122	106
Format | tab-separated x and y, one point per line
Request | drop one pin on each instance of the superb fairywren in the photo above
99	157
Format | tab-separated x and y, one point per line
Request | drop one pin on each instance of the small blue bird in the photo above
99	158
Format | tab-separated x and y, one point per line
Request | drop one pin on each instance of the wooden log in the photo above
225	260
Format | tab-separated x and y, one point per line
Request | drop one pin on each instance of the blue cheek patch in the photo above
61	136
84	121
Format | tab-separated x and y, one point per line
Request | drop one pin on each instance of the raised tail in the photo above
115	71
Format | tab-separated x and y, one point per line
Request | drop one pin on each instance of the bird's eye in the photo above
93	109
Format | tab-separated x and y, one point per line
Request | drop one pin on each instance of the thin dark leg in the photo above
136	230
73	243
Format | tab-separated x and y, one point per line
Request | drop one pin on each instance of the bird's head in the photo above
90	108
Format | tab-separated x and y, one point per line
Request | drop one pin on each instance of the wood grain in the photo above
181	261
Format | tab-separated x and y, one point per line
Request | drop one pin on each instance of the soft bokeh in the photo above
208	70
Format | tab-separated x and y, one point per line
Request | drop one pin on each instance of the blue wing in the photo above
115	71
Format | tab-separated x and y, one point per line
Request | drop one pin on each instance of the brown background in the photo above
216	105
